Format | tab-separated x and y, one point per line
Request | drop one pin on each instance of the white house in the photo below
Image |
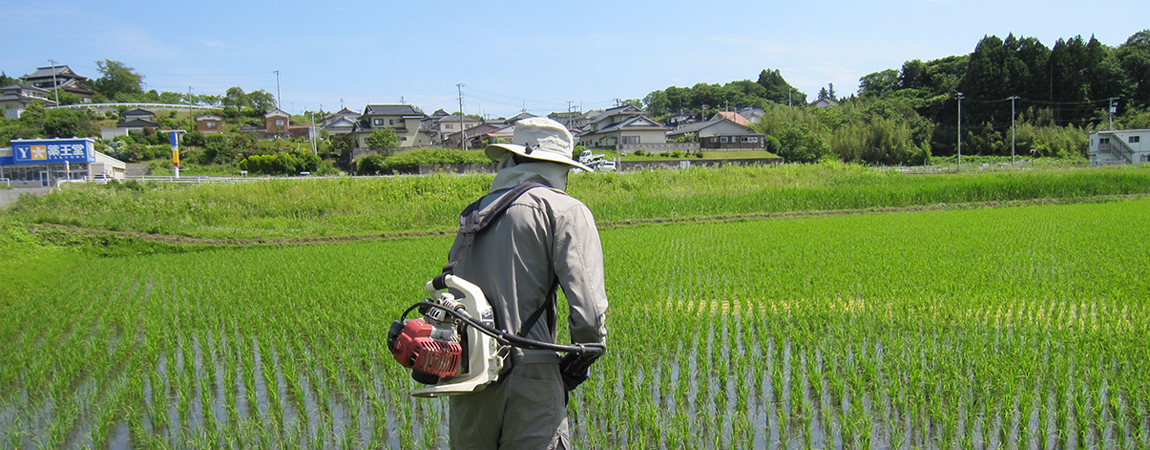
1119	147
620	126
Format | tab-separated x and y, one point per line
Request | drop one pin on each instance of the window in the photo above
279	122
1134	139
449	126
211	125
377	122
723	139
751	139
629	140
1103	140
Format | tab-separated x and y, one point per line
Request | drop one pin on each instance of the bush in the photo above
799	144
280	163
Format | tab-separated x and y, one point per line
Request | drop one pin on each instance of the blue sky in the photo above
540	56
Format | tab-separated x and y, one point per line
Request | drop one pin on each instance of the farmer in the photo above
544	240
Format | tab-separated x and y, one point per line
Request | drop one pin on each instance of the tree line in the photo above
1055	97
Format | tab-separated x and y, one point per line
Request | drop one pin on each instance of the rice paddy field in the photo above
1014	327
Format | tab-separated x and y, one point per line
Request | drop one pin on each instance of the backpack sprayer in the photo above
456	349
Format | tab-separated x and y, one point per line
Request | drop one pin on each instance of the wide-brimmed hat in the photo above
539	138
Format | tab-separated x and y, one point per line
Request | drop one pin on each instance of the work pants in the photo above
527	410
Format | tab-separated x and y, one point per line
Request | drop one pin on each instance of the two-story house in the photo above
450	125
623	125
1119	147
61	77
209	123
276	122
15	99
340	122
403	119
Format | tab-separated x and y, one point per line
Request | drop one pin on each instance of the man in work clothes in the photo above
544	240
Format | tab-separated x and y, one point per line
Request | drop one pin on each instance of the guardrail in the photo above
116	106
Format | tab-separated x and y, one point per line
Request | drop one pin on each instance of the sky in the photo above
506	57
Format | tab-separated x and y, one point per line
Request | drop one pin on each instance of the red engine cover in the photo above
416	349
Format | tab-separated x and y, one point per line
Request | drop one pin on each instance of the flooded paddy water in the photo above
833	333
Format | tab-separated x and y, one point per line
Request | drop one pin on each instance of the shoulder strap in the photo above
472	220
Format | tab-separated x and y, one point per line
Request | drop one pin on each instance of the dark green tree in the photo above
878	83
382	141
66	123
117	78
1134	57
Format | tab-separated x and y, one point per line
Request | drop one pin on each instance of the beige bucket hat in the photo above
539	138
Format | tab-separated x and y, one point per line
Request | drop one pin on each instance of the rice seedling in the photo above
938	329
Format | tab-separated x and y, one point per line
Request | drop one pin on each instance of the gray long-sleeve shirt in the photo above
544	237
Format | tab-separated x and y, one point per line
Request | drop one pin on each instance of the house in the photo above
340	122
140	116
752	114
403	119
824	102
1119	147
209	123
726	130
15	99
567	118
478	136
449	125
276	122
623	125
135	120
682	118
61	77
521	116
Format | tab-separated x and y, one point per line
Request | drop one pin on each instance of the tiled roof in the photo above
392	110
733	117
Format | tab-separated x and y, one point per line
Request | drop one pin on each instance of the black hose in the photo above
506	338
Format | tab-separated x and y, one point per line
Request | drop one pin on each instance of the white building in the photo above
1119	147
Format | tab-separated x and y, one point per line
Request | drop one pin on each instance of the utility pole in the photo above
1113	108
462	135
55	88
1012	99
277	88
959	131
312	133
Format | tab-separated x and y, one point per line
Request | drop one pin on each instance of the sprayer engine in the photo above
429	346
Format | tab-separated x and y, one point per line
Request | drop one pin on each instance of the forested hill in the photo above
1067	86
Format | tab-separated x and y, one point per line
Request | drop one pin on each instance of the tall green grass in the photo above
367	206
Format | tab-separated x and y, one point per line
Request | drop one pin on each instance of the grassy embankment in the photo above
321	208
150	218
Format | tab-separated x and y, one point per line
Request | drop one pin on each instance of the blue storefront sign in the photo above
52	151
